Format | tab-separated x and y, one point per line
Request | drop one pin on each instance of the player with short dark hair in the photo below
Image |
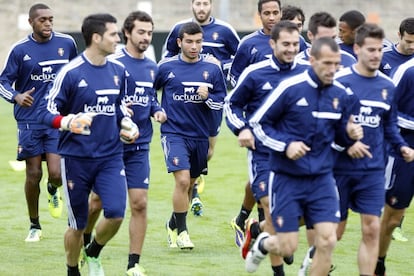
348	23
254	47
298	121
193	91
399	177
91	87
296	15
30	67
142	100
254	84
323	24
360	180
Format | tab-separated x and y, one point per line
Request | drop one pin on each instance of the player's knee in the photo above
34	175
139	206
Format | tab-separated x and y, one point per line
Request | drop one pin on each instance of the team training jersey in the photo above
32	64
391	59
253	48
141	95
378	117
301	108
83	87
346	58
254	84
219	39
404	81
188	114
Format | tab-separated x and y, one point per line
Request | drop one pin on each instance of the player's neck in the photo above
133	51
94	56
363	71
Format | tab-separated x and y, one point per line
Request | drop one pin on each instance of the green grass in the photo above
214	253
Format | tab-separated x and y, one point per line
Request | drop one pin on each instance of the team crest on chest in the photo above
215	36
61	52
116	80
335	103
384	94
205	75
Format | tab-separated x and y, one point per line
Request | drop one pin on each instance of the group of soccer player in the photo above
321	120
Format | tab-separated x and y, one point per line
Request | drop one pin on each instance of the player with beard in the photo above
141	98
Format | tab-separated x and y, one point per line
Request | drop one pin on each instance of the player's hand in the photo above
359	150
355	131
25	99
246	139
407	153
203	92
129	131
160	116
296	150
78	124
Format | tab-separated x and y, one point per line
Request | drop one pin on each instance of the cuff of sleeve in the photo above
56	121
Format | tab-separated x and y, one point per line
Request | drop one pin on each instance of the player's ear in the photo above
179	42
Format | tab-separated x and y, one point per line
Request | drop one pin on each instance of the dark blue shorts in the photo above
259	169
185	154
364	194
35	142
137	169
313	197
399	183
106	176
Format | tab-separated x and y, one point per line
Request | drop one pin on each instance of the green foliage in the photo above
215	252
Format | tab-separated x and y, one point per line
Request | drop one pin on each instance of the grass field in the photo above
214	253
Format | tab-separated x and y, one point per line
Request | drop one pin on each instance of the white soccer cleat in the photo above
255	256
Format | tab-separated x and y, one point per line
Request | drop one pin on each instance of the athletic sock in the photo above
172	223
180	220
255	230
93	249
132	260
73	270
278	270
34	223
380	268
86	238
260	213
195	191
51	189
261	246
243	215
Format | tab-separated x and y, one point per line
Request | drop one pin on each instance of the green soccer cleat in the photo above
398	235
137	270
239	238
201	183
94	266
55	204
171	236
34	235
184	242
197	207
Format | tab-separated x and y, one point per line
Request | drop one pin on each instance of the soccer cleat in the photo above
197	207
171	236
82	258
137	270
94	266
247	241
183	241
398	235
55	204
255	256
306	263
34	235
201	184
239	232
289	259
